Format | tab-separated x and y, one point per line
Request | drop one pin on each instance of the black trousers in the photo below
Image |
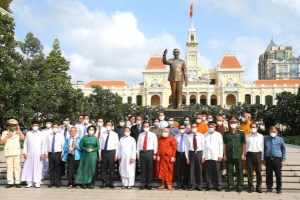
182	169
54	167
253	161
195	168
213	174
72	168
273	164
108	163
146	158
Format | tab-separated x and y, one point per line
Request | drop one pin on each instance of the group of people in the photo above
163	149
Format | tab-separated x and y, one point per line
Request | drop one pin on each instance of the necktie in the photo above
73	145
181	144
145	142
139	128
53	143
106	142
99	132
195	143
273	147
65	133
84	131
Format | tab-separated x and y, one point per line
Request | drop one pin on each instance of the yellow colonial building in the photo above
223	85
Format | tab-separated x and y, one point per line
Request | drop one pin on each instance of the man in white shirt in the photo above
54	148
182	169
254	157
194	153
146	153
83	127
213	157
65	132
46	131
109	155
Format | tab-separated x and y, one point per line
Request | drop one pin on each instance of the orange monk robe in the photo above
166	149
202	127
246	127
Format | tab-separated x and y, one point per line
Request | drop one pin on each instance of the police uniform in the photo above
234	150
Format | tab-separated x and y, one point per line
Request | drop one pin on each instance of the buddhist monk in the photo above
166	157
202	125
245	126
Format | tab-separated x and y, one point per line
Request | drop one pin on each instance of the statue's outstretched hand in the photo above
166	51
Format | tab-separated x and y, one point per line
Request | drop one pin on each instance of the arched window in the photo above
139	100
155	100
230	100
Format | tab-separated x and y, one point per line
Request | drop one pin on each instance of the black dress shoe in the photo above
207	189
279	191
250	189
184	187
269	190
219	189
9	185
198	188
18	185
258	190
149	187
239	190
57	185
112	186
229	189
142	187
51	185
191	188
178	187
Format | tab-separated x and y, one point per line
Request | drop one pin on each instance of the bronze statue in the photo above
176	76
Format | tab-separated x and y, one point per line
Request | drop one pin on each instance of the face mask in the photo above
55	130
254	130
121	123
99	123
11	129
86	121
66	123
146	129
48	125
35	128
138	122
186	122
182	131
211	130
198	121
156	124
161	118
108	128
233	126
273	134
203	118
170	123
127	134
219	123
91	132
194	130
209	120
243	119
165	134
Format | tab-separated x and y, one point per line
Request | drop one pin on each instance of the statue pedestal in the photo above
178	114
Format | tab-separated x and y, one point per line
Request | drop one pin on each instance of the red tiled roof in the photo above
230	61
278	82
155	63
107	83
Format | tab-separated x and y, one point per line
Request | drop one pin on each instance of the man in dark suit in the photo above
137	128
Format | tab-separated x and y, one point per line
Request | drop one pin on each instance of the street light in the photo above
79	82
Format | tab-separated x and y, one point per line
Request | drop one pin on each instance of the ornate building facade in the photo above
223	85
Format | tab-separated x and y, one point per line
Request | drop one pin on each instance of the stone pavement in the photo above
133	194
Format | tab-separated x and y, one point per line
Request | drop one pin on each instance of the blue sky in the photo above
113	40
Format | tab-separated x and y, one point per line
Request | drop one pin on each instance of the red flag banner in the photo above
191	11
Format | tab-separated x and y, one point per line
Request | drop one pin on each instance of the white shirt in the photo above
12	145
213	145
58	145
103	130
113	141
151	142
255	143
178	140
62	131
190	144
80	129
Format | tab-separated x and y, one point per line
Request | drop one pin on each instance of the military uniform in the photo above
234	152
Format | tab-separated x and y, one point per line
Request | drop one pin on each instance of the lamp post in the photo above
77	83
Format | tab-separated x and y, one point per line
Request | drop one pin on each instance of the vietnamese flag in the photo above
191	11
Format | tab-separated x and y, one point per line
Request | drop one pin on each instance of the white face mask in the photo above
211	130
194	130
55	130
99	123
156	124
35	128
219	123
273	134
253	130
86	121
66	123
138	122
209	120
108	128
243	119
198	121
161	118
146	129
127	134
170	123
91	132
48	125
181	131
203	118
233	126
122	123
165	134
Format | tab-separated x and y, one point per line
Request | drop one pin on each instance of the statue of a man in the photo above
177	76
